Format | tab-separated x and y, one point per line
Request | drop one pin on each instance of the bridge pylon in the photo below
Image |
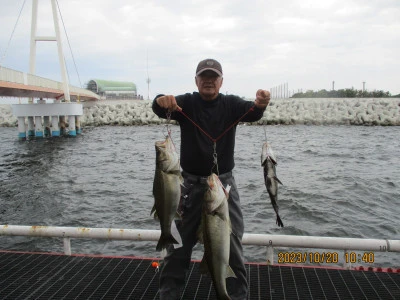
48	119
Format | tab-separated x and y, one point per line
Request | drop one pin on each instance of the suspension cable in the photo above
12	34
69	44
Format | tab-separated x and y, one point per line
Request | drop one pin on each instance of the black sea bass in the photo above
166	190
215	232
268	161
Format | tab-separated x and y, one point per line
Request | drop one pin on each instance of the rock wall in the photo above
346	111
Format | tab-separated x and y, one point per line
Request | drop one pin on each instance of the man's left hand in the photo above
262	98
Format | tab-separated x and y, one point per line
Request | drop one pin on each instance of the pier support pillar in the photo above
56	111
38	127
55	129
71	126
62	125
31	127
21	128
78	124
46	125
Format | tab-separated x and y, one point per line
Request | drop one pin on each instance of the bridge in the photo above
19	84
44	119
25	85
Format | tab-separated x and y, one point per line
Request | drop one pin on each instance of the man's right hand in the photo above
168	102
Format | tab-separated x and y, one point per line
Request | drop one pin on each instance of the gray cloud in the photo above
260	44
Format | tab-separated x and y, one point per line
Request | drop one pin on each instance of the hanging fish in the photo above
167	191
268	161
214	232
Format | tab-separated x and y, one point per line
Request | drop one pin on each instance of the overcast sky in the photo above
260	44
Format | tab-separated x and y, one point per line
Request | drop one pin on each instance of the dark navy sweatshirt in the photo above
214	117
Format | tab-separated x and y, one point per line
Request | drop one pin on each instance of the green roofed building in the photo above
107	89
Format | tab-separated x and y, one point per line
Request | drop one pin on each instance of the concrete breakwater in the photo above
341	111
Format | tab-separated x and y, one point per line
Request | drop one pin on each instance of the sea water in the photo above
340	181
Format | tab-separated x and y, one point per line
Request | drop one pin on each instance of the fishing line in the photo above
215	159
215	140
265	132
223	133
168	122
168	127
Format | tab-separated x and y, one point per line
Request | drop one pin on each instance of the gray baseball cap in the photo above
209	64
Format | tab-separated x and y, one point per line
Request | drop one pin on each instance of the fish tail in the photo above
224	297
276	178
164	241
278	220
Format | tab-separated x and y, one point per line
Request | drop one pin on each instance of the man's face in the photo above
209	84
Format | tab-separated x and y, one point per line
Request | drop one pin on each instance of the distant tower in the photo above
148	80
363	86
333	85
148	87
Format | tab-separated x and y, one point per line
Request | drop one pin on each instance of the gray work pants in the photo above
177	261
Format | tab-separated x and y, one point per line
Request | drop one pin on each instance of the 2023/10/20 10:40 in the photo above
324	257
353	257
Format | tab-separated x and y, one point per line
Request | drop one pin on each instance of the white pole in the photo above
67	246
32	55
293	241
270	255
60	53
32	58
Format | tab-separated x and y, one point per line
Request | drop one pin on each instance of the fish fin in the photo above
263	162
276	178
229	272
279	221
153	210
164	241
213	206
177	236
272	160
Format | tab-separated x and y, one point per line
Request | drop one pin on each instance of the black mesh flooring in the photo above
45	276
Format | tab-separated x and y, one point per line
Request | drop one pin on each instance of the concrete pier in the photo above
55	111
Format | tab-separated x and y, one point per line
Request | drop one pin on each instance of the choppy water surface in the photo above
338	181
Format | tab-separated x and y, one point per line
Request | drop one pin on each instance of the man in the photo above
214	113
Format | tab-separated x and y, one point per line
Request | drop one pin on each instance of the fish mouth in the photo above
210	183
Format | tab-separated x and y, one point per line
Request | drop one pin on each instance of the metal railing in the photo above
11	75
19	77
267	240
